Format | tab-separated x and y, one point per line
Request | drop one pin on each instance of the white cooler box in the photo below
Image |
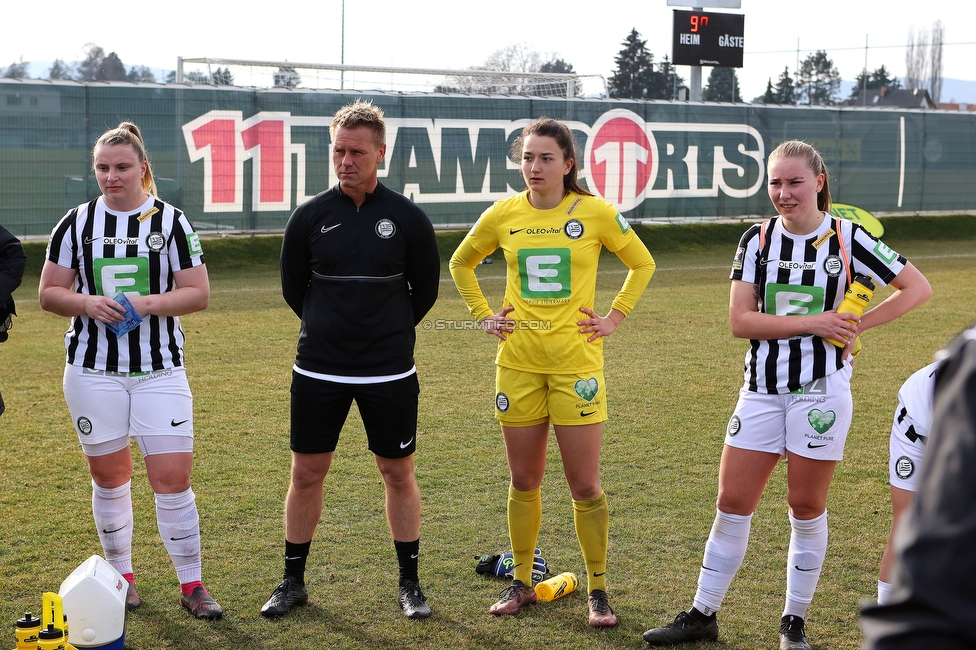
93	597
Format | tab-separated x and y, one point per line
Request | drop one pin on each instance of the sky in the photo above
452	34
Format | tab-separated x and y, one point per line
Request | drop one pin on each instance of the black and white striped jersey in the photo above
135	253
804	275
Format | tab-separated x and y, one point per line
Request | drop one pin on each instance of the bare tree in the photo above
517	59
935	61
514	58
916	58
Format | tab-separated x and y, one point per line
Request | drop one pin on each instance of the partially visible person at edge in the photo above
932	603
789	276
12	263
360	267
551	235
909	433
128	240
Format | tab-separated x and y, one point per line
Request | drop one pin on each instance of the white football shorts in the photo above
906	449
812	422
107	408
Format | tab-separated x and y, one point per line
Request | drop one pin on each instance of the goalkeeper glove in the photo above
502	565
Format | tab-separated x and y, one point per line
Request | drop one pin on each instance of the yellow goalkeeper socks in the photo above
524	521
592	519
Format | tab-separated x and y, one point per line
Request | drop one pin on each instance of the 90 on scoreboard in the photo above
708	39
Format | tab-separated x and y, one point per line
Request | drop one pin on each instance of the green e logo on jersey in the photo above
193	241
885	253
624	226
128	274
545	272
793	300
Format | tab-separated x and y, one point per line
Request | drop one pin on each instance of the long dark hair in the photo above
564	138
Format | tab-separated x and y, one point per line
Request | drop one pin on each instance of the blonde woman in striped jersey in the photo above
129	247
789	275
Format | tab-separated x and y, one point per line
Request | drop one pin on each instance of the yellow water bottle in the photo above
51	638
556	587
27	631
855	300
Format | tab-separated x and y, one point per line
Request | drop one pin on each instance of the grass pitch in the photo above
673	371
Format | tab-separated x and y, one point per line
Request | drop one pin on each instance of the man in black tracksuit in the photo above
360	267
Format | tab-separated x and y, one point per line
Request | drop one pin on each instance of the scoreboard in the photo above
706	38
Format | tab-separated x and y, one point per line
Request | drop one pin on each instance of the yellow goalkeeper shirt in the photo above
551	258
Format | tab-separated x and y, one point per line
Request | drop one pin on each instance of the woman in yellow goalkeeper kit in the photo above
550	350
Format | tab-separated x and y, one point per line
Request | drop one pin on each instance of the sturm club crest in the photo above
833	266
904	468
385	228
501	402
573	229
734	425
155	241
85	426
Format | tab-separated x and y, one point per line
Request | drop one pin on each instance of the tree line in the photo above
637	76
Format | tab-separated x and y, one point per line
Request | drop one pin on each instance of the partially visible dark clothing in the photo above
12	263
933	602
360	278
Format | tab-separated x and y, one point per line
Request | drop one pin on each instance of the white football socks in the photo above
112	509
724	550
179	526
808	548
884	592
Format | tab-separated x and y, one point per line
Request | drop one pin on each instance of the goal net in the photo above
285	74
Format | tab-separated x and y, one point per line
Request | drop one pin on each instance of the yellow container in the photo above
27	630
855	300
556	587
51	638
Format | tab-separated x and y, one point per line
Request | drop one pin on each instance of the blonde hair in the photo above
128	133
813	159
360	113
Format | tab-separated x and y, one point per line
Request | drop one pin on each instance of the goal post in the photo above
319	76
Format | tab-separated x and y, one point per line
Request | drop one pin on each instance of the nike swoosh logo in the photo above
584	414
597	575
180	539
327	229
802	569
109	532
404	445
810	445
512	232
90	240
708	568
297	557
414	557
174	423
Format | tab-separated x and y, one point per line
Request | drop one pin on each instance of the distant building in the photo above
957	107
893	98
